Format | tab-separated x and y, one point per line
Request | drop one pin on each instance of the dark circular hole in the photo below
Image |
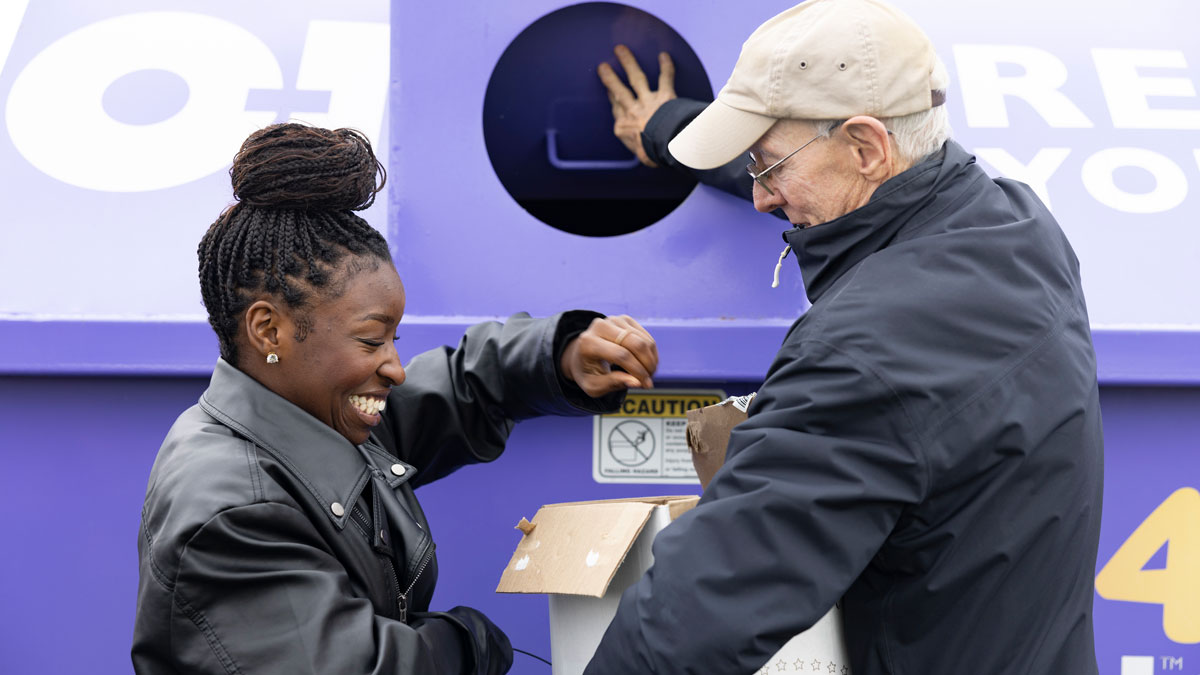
548	125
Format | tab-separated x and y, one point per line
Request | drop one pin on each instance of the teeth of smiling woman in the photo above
368	405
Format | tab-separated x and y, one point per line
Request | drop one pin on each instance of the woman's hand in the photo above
613	353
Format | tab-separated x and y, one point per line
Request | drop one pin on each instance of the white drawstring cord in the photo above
779	265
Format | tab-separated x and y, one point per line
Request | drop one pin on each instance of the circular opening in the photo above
548	124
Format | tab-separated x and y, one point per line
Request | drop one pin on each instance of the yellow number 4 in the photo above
1176	522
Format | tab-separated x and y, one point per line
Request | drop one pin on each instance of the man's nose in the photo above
765	202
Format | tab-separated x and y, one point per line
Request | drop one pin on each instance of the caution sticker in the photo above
646	440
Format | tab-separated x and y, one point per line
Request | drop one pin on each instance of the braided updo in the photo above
297	188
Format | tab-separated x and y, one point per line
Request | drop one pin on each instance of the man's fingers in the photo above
666	74
637	79
618	93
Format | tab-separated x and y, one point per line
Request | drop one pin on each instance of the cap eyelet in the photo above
842	65
803	65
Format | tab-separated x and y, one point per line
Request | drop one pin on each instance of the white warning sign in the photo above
646	440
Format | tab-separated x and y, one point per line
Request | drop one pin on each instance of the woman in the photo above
280	531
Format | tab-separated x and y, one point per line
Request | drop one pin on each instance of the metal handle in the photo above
582	164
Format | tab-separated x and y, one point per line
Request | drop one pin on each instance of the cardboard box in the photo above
585	554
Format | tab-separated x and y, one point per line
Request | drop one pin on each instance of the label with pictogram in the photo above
646	440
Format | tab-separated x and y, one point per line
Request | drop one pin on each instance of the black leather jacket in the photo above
269	543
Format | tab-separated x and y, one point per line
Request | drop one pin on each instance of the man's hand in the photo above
588	360
633	109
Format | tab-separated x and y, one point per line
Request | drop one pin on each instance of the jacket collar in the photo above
327	464
825	252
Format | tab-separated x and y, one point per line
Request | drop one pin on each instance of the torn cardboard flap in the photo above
576	548
708	431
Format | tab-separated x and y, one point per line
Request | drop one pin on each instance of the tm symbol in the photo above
1171	662
1144	665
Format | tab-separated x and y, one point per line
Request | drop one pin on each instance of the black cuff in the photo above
666	122
448	640
570	325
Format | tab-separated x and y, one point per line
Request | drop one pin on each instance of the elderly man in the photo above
927	446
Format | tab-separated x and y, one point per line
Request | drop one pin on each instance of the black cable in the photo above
533	655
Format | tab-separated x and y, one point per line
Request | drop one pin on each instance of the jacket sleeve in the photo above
670	118
458	406
257	592
815	480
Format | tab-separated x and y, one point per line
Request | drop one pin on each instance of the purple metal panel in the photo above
70	569
76	453
1150	454
698	349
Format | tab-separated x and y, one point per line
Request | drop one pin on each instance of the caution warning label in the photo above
646	440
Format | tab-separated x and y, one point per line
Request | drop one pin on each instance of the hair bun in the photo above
294	166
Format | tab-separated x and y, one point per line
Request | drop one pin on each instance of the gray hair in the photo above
919	135
916	136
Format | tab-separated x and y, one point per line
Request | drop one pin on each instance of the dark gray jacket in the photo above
926	447
270	544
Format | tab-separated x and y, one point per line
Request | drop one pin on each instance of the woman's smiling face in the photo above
341	368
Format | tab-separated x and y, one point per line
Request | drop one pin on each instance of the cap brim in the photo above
717	136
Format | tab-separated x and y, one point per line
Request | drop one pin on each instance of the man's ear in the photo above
871	148
265	325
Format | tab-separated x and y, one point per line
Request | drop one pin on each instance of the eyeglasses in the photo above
755	162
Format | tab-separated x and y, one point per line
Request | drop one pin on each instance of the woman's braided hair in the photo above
296	188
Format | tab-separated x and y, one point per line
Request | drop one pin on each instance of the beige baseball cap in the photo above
819	60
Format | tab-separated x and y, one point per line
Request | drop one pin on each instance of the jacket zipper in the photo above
403	599
396	580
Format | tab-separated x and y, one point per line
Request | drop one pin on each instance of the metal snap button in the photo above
398	469
338	509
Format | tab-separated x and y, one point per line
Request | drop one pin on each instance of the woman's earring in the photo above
272	357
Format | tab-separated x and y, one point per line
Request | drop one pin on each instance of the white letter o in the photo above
1170	185
57	121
